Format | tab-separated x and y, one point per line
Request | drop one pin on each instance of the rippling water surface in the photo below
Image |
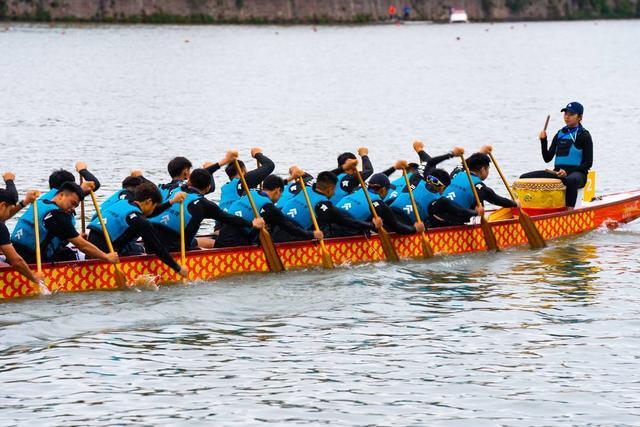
518	338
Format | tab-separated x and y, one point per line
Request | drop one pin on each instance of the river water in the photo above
519	338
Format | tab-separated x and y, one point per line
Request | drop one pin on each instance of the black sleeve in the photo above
549	153
447	209
584	141
12	190
389	220
144	229
212	211
274	216
424	157
213	168
367	168
256	176
435	161
88	176
486	194
389	171
327	213
5	237
59	225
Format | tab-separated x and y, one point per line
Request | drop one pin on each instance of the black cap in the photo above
381	180
573	107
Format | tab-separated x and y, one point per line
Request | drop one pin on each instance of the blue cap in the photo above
381	180
573	107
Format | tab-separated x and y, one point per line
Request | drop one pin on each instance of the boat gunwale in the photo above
634	195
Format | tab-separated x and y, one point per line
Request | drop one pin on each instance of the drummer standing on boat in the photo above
572	148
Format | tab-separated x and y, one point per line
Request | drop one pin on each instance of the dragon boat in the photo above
78	276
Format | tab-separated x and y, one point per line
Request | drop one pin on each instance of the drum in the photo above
540	195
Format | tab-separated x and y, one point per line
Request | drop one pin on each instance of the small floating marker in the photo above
458	38
511	27
277	33
187	41
315	29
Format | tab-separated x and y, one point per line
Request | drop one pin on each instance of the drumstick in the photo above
546	122
551	171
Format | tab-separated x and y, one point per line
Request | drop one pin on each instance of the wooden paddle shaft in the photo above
183	256
36	225
245	187
311	211
473	187
413	199
366	194
102	224
546	123
83	224
504	180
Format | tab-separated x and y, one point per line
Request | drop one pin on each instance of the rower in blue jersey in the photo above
460	192
8	202
265	200
126	221
56	229
332	221
60	176
196	209
572	148
293	187
347	180
357	206
232	190
427	163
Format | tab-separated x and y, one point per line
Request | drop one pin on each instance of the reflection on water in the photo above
518	338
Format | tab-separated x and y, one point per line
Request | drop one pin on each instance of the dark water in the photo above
519	338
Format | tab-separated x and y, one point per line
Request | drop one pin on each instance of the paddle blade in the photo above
536	241
121	279
427	251
270	252
489	237
327	262
387	246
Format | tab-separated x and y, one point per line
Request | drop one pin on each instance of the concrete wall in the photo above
256	11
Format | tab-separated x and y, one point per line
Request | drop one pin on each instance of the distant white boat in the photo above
458	16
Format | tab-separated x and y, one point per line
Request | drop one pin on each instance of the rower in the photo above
459	190
293	188
179	169
126	221
427	163
59	177
232	190
55	219
332	221
357	207
573	149
347	180
127	191
8	199
196	209
272	186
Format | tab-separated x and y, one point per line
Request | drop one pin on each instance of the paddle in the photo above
327	262
121	279
83	225
42	288
489	237
427	251
385	239
183	254
536	241
269	249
